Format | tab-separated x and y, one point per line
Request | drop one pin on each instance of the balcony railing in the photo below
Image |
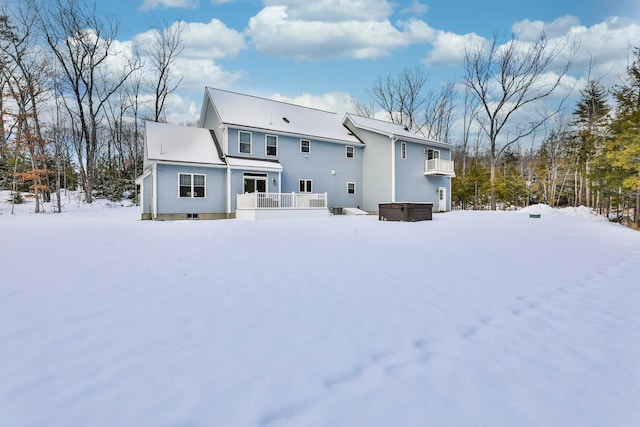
282	201
439	167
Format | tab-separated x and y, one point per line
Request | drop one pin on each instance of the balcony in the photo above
439	167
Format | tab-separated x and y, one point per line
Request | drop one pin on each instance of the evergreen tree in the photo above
624	146
592	116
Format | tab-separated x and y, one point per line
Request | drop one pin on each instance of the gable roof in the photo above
389	129
266	114
172	143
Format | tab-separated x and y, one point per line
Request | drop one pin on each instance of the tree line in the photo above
510	149
72	99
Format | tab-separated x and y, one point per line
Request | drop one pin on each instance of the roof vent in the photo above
406	128
285	120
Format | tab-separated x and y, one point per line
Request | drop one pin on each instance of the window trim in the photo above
266	145
353	152
349	184
308	185
432	150
403	150
192	185
308	146
240	132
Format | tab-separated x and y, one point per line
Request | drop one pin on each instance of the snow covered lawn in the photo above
474	318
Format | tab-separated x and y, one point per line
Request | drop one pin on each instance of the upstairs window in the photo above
350	152
191	185
305	146
244	142
305	186
432	154
403	150
272	145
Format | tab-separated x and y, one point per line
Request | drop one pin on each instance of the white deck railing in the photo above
438	167
282	201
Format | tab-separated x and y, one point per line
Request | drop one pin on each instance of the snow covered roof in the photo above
180	144
261	113
390	129
243	163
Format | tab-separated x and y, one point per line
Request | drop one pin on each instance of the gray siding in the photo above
169	201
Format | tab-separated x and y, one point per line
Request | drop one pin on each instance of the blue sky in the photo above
322	53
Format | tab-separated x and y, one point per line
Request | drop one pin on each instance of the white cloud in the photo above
276	30
198	73
212	40
416	8
204	40
183	110
602	47
530	30
336	102
165	4
334	10
448	49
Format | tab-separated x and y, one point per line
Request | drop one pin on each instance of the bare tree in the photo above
438	113
163	48
81	41
28	82
506	78
402	97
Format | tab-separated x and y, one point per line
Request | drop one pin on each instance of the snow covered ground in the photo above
474	318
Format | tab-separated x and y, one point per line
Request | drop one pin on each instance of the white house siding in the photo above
376	170
210	119
169	201
147	195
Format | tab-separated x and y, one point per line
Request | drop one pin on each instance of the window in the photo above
432	154
272	145
351	188
403	150
305	186
191	185
350	152
305	146
244	142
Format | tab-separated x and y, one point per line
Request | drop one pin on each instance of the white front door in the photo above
442	199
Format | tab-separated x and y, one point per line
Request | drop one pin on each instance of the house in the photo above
253	157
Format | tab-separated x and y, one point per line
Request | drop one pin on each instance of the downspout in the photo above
280	182
393	168
154	185
228	185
